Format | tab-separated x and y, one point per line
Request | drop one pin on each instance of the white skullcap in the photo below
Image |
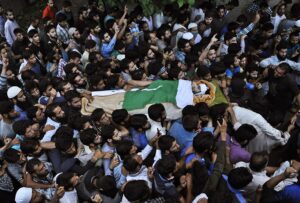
192	25
187	36
120	57
177	27
199	197
13	91
23	195
72	31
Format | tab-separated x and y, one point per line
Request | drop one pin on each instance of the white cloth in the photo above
197	12
48	135
9	28
23	195
153	130
141	175
199	197
184	94
276	21
267	137
69	197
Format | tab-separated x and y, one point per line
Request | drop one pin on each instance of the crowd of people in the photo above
244	150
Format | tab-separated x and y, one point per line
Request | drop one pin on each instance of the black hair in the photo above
87	136
166	166
73	55
155	111
32	32
202	71
130	163
97	114
94	79
30	85
107	186
258	161
31	112
43	84
27	53
68	68
20	126
203	142
173	72
71	94
138	121
107	132
217	69
239	177
232	26
64	132
165	142
282	45
89	44
267	26
190	122
6	107
229	60
137	74
63	144
245	132
11	155
28	146
119	115
181	43
60	17
285	66
64	180
234	48
18	30
77	122
123	148
31	164
202	108
49	27
137	191
50	108
189	110
217	111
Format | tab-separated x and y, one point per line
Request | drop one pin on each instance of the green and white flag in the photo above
175	95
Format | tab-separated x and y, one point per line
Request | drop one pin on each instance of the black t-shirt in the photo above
281	90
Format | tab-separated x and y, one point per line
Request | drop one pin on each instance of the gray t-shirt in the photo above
6	130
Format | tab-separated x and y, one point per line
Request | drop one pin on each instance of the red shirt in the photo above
48	12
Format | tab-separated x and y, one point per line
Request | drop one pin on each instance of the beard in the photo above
204	123
62	120
82	86
79	40
281	58
24	105
145	129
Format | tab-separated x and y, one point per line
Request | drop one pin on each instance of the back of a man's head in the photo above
258	161
239	177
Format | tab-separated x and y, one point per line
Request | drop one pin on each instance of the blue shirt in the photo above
290	193
107	48
229	72
180	56
183	137
139	138
23	114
